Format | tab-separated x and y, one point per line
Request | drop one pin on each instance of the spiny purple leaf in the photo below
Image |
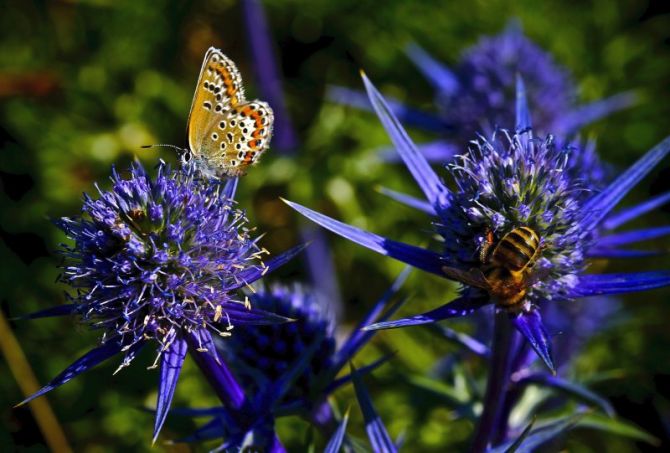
213	429
267	74
434	190
408	200
531	327
237	313
586	114
519	440
571	389
359	337
523	121
59	310
628	237
611	252
438	152
271	397
320	266
414	256
539	436
251	274
619	218
172	360
466	341
440	76
276	446
600	205
364	370
230	188
599	284
457	308
92	358
379	437
197	412
360	100
219	376
335	442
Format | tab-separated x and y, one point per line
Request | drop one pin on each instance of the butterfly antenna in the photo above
164	145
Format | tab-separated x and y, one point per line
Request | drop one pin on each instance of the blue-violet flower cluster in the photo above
160	260
509	181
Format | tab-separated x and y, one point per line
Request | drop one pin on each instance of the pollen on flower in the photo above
156	257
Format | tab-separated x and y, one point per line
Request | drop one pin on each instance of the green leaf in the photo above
440	388
456	398
617	426
570	388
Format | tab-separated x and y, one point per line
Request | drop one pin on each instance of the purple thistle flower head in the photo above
506	184
263	354
487	75
155	258
161	260
511	181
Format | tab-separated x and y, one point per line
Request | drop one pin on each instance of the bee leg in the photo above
486	246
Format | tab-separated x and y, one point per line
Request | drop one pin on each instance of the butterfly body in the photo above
226	133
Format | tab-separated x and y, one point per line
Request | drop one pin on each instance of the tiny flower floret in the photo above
521	184
156	257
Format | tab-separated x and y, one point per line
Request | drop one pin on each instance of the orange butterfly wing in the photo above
226	133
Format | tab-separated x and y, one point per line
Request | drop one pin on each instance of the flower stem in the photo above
524	358
229	390
219	376
505	340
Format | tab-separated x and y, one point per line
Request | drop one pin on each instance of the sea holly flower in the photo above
509	181
292	368
484	89
162	261
263	354
519	185
478	93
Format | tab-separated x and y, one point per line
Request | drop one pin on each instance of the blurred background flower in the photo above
478	94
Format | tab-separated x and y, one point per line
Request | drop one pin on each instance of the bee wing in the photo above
474	277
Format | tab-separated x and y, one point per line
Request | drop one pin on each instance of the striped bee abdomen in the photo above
517	250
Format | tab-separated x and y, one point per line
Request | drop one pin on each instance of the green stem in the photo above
505	341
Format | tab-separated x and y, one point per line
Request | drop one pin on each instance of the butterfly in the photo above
226	133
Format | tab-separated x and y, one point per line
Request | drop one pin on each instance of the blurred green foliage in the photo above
84	84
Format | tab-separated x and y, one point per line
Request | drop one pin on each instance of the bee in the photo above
506	272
